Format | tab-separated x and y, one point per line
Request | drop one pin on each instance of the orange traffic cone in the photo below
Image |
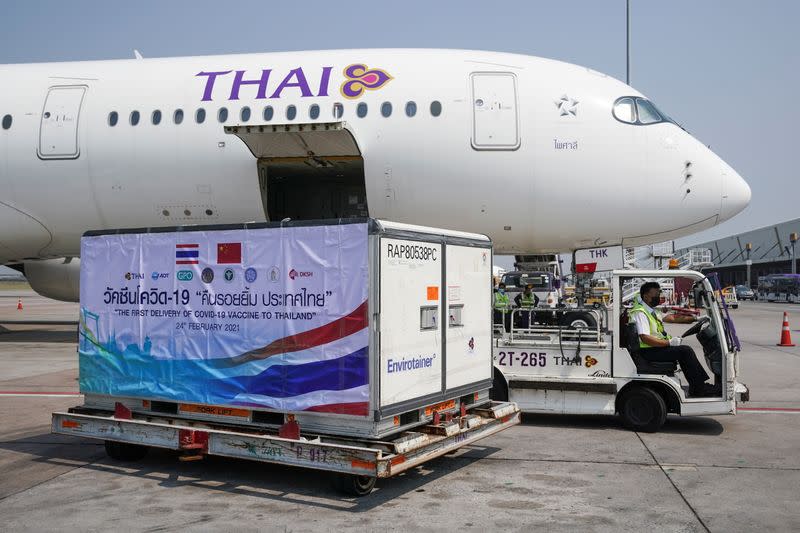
786	337
19	304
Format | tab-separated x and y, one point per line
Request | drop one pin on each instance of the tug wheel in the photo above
499	390
643	409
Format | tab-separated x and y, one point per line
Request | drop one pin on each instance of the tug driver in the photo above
656	345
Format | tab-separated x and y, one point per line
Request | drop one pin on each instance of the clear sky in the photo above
725	69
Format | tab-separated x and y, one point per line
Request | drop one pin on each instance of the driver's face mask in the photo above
654	301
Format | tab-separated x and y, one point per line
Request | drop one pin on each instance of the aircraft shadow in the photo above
38	335
676	425
238	476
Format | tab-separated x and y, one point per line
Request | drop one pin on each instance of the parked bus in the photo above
779	288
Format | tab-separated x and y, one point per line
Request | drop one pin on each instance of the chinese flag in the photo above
229	253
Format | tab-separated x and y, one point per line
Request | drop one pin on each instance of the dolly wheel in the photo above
354	485
643	409
123	451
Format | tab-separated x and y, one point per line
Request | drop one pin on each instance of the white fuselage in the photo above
552	170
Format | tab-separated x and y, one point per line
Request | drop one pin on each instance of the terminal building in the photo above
768	250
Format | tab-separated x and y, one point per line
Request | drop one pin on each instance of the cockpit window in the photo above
636	110
624	110
647	112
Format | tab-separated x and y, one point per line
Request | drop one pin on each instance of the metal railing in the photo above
695	259
522	330
663	249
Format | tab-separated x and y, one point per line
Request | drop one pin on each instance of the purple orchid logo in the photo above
361	78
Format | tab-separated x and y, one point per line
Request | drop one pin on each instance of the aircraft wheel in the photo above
123	451
643	409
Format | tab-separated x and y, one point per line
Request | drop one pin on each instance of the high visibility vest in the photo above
655	322
501	302
527	301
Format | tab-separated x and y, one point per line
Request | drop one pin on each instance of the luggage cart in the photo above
357	462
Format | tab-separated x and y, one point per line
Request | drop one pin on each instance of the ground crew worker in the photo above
502	307
525	300
656	345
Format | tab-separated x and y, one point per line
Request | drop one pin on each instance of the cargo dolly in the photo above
357	462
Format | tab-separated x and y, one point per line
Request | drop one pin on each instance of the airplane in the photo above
542	156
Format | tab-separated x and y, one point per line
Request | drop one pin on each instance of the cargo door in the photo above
469	322
411	359
495	124
307	171
58	129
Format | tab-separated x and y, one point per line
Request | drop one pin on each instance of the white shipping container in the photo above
351	327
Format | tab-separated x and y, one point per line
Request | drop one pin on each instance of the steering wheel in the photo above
695	329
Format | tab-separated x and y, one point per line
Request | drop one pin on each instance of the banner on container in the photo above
270	317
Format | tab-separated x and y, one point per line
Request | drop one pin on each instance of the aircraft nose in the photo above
736	196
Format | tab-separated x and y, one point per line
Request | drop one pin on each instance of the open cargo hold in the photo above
356	328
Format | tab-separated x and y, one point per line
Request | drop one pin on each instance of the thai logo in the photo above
360	78
471	343
590	361
184	275
133	275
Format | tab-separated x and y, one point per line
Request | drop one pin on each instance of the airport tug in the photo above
597	368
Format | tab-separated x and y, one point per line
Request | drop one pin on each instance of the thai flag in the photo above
325	369
187	254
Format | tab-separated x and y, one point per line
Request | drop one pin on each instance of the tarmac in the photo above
560	473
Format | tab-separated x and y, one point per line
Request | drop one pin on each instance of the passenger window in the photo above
361	110
313	111
411	109
291	112
177	117
647	112
624	111
222	114
386	109
245	114
156	118
113	118
436	108
338	110
200	116
134	118
268	112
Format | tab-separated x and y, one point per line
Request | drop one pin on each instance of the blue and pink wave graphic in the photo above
325	369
